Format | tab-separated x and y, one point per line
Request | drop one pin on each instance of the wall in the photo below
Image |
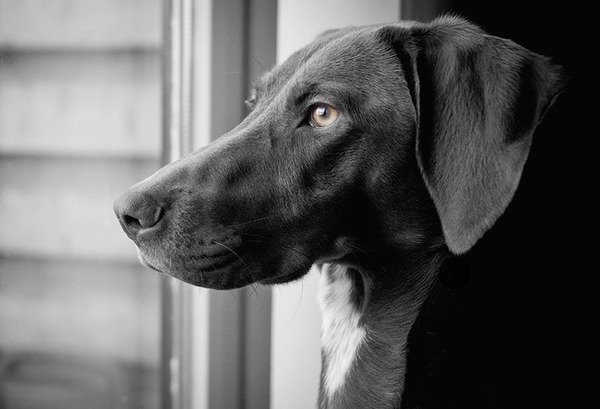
296	321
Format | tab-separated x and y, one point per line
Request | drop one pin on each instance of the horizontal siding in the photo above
80	104
80	24
79	123
62	206
84	308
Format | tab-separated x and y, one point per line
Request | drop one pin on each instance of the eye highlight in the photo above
322	115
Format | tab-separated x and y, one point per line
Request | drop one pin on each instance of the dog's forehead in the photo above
346	55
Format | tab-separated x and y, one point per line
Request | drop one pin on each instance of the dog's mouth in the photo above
219	266
225	264
204	263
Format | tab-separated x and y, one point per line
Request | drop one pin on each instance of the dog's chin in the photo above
224	272
284	279
219	274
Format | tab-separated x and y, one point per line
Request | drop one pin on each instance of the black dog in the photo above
374	153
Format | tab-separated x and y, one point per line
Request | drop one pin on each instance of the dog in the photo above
375	154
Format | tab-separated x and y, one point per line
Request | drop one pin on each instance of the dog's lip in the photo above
215	276
215	262
212	259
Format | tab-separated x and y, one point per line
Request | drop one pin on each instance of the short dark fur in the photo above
435	125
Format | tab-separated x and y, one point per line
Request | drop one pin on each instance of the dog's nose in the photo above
137	211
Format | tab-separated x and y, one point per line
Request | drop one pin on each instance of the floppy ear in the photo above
478	99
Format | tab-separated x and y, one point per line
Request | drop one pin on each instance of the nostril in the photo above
137	211
144	218
131	221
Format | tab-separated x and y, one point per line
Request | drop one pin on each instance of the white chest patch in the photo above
341	333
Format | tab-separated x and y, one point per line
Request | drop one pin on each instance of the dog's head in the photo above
368	141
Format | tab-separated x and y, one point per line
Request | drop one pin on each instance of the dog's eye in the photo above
323	115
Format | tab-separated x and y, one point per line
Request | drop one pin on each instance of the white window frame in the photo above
215	344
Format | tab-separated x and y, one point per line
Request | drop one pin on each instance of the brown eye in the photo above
323	115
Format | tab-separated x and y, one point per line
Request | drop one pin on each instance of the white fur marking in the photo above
341	333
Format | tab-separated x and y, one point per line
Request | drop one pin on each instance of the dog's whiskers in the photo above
265	239
248	222
299	301
237	255
212	265
257	62
254	290
234	295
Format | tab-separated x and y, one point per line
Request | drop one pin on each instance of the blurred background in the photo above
80	121
84	325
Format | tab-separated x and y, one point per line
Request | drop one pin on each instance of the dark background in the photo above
520	330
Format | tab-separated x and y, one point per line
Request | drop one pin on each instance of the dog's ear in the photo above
478	100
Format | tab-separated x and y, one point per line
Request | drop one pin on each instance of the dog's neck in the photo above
366	322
